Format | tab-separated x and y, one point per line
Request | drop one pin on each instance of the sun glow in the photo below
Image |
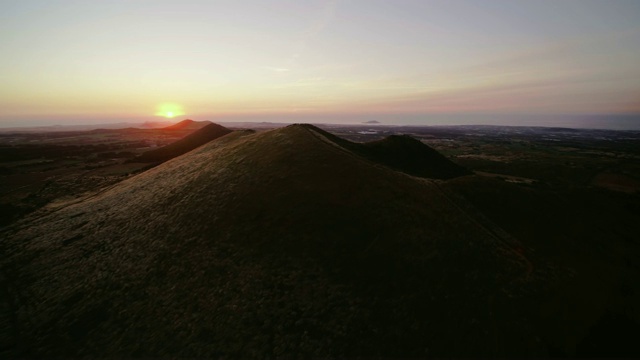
169	110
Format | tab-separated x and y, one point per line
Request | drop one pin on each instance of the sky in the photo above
397	61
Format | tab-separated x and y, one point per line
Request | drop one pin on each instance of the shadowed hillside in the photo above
592	308
184	145
289	242
403	153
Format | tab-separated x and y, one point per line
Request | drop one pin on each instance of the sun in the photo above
169	110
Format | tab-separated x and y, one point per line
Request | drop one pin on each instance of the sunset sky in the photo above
71	62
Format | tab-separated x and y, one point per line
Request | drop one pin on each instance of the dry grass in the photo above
269	244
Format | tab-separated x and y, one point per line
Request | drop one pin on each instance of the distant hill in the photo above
409	155
186	144
188	124
295	243
403	153
85	127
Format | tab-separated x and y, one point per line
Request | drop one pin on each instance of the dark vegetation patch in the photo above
72	239
590	237
615	335
28	152
11	212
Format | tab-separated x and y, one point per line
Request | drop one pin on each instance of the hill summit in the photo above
187	124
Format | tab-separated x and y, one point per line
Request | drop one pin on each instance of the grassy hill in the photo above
400	152
291	243
187	124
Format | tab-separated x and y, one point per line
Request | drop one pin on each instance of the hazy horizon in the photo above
535	63
610	122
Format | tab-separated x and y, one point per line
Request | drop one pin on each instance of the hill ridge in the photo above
398	152
187	124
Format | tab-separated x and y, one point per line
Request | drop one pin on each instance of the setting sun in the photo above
169	110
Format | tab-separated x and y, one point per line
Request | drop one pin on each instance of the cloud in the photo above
276	69
313	82
560	94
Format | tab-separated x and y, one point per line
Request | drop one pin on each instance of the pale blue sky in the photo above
86	61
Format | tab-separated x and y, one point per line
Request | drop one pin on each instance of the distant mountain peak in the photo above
188	124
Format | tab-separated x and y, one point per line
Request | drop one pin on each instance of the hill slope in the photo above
279	243
184	145
187	124
592	306
401	152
